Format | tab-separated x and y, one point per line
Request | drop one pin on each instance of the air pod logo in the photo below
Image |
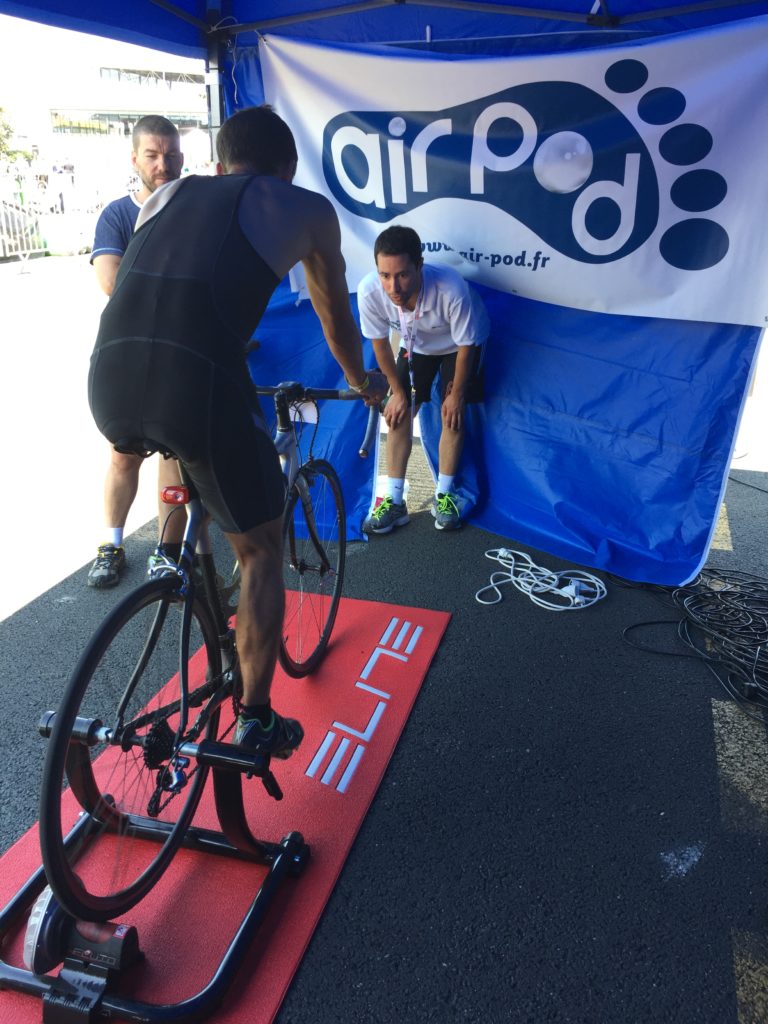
557	156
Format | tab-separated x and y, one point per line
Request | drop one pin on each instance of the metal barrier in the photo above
20	233
56	218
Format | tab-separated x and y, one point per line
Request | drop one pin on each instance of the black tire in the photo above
129	672
313	566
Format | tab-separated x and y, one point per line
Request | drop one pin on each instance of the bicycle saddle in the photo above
142	446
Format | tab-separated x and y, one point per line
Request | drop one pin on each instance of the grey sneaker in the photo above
386	516
446	513
279	739
105	571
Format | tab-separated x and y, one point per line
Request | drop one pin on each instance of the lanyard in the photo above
407	334
408	328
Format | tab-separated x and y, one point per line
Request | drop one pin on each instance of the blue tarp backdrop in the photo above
605	438
558	457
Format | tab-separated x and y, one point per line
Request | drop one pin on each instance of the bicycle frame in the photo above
284	397
196	541
285	439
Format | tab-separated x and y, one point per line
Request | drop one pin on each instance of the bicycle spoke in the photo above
131	778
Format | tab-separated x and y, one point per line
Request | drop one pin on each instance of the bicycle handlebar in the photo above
296	392
371	431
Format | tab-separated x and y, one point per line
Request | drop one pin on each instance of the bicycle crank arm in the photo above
226	755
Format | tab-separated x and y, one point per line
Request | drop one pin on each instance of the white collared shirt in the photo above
449	313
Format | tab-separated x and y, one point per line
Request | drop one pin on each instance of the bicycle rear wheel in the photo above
314	536
115	739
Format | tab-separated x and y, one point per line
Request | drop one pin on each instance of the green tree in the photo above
6	133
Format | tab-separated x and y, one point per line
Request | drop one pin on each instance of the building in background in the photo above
72	101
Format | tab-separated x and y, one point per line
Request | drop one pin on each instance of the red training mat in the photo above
353	710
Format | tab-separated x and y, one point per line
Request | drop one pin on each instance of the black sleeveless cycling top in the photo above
190	278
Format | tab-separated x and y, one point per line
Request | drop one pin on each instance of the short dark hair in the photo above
399	240
256	138
152	124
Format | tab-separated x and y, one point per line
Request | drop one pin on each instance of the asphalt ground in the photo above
571	829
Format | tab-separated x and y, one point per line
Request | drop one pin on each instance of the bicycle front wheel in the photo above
116	739
314	536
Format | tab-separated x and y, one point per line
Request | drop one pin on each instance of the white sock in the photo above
444	484
395	489
115	535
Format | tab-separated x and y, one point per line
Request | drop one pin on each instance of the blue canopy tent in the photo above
606	436
190	27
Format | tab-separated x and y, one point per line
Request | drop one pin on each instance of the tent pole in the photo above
604	19
213	65
177	12
474	6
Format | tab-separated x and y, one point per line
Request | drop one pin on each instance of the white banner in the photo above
628	179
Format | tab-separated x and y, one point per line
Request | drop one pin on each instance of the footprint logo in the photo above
695	243
557	156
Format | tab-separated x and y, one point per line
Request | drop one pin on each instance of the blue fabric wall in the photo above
604	440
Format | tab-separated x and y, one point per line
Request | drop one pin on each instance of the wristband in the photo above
363	386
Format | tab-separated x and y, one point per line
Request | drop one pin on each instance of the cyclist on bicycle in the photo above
169	362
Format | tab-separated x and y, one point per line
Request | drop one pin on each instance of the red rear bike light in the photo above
175	495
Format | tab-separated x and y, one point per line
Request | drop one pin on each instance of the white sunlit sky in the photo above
44	66
50	310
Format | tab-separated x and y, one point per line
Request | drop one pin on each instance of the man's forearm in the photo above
327	285
350	359
386	362
106	268
346	348
463	371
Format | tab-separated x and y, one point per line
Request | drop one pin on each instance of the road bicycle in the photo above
314	533
145	713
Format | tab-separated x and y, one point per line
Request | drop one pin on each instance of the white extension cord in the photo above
564	591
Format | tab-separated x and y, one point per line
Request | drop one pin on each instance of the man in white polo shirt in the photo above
442	325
